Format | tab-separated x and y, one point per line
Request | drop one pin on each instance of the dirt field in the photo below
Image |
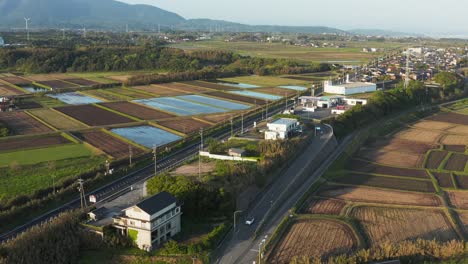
324	206
192	169
456	162
240	98
23	124
56	120
9	91
48	77
93	115
451	118
211	85
444	179
218	118
58	85
464	220
83	82
185	125
276	91
367	167
372	195
427	124
402	145
16	80
183	87
31	142
462	181
109	144
434	159
459	199
455	148
454	140
159	91
419	135
461	129
394	225
137	111
386	182
306	238
393	158
119	78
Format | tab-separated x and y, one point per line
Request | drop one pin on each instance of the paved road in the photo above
240	247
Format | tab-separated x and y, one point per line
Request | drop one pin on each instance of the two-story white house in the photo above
152	221
281	128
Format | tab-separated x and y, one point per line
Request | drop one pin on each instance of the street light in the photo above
236	212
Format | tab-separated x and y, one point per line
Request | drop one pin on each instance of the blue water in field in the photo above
34	89
258	95
214	102
164	107
294	87
75	98
147	135
240	85
193	107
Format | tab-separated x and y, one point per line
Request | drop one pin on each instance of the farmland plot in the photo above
456	162
214	102
104	94
263	96
262	80
186	105
9	91
128	92
427	124
276	91
58	85
306	238
109	144
183	87
402	145
56	120
386	182
418	135
324	206
455	148
455	140
462	181
83	82
186	125
23	124
147	135
9	144
444	179
16	80
217	118
367	167
240	98
210	85
454	118
158	90
138	111
463	130
373	195
434	159
93	116
459	199
395	225
75	98
393	158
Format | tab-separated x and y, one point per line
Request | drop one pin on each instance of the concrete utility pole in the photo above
130	154
235	213
155	157
199	154
232	129
107	167
27	27
407	68
242	122
82	194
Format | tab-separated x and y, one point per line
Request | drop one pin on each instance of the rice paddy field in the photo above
75	98
264	81
57	119
395	188
147	135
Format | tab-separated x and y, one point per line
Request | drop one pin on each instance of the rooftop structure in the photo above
281	128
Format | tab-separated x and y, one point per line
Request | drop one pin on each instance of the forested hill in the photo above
115	15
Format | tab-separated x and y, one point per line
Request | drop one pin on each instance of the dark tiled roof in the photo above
156	202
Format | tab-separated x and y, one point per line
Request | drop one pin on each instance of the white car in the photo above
249	221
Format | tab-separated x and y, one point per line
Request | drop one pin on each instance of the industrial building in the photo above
348	87
281	128
152	221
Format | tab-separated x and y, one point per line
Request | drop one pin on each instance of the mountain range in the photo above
115	15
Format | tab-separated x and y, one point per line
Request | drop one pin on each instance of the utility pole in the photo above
232	129
266	113
235	213
130	154
155	157
107	167
82	194
407	68
242	122
27	27
285	101
199	154
63	33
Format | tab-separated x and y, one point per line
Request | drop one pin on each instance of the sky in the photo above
414	16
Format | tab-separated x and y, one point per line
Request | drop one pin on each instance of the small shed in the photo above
236	152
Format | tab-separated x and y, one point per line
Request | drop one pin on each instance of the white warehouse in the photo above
349	88
281	128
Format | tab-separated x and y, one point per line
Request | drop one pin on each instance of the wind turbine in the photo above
27	26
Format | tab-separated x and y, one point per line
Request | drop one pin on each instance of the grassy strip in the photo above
435	182
444	162
41	121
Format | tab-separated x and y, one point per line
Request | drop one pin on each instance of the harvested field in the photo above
217	118
57	120
159	90
112	146
427	124
434	159
463	130
119	78
137	111
185	125
464	220
395	225
192	169
58	85
462	181
300	78
386	182
237	97
129	92
367	167
276	91
402	145
93	115
305	237
444	179
455	148
456	162
373	195
23	124
451	117
419	135
454	140
183	87
459	199
324	206
210	85
48	77
104	94
31	142
16	80
9	91
83	82
393	158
